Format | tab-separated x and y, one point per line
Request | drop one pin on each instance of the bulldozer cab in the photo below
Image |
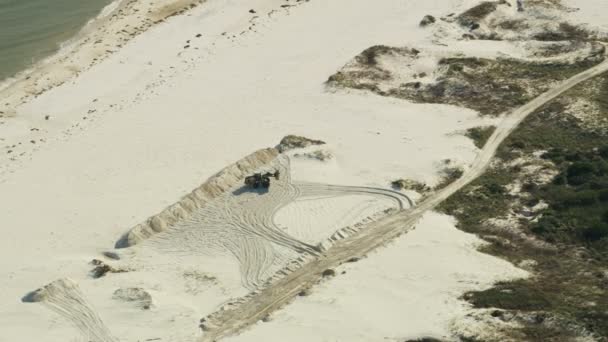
261	180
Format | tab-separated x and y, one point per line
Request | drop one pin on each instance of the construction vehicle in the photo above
261	179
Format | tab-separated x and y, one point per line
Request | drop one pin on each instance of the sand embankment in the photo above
213	187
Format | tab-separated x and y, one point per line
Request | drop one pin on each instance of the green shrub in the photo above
580	168
495	188
480	135
510	296
576	219
581	198
580	172
450	174
477	13
518	144
603	195
603	152
596	232
544	228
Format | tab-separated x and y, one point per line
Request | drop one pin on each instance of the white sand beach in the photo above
98	146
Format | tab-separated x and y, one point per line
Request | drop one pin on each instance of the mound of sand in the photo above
197	199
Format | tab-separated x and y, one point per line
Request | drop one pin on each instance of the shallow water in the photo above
33	29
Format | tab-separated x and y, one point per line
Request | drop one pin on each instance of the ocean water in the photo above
33	29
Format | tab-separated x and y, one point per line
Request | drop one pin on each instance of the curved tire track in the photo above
65	298
309	189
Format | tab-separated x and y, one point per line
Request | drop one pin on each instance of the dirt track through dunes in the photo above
232	320
241	223
64	297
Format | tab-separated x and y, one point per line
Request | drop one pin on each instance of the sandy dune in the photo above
134	133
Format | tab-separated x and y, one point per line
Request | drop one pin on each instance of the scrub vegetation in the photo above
556	226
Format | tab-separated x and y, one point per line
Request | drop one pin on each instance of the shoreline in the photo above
61	46
83	50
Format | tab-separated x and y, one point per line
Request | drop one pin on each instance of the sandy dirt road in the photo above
232	320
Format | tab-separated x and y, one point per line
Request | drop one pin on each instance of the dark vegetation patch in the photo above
369	56
545	31
480	135
578	200
598	92
101	269
531	24
360	79
488	86
561	48
552	127
473	15
513	24
571	274
486	197
290	142
427	20
510	296
408	184
448	176
564	32
328	273
365	72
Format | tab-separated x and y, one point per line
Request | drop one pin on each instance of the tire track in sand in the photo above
65	298
241	222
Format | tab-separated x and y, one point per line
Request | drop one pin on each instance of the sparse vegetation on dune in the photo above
291	142
564	32
488	86
536	22
474	14
480	135
543	203
370	55
408	184
564	241
448	175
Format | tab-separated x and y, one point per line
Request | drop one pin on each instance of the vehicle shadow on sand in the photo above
247	189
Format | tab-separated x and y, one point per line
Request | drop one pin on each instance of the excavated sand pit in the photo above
264	229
